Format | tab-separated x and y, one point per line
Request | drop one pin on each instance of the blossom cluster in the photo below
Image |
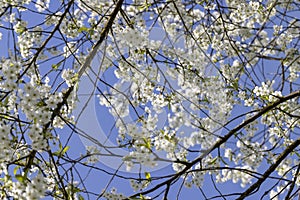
215	66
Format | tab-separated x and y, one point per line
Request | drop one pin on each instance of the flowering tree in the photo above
217	99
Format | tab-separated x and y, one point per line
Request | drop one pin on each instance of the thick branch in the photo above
103	35
280	158
82	69
222	141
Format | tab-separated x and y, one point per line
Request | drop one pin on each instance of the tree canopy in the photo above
208	89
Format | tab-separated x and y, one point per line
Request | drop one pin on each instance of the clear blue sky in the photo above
98	117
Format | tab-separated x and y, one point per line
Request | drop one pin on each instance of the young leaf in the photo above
20	178
148	176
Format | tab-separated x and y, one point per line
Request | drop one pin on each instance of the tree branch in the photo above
82	69
223	140
280	158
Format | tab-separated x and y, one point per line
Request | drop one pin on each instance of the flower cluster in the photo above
138	185
7	152
93	154
29	190
113	195
176	76
236	175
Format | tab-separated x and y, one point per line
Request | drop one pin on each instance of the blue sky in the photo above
97	122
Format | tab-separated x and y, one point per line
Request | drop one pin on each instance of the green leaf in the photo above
91	32
137	198
80	197
81	29
147	143
142	197
213	160
76	189
16	169
56	153
61	150
235	84
265	97
3	116
55	66
144	7
148	176
20	178
6	101
65	150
